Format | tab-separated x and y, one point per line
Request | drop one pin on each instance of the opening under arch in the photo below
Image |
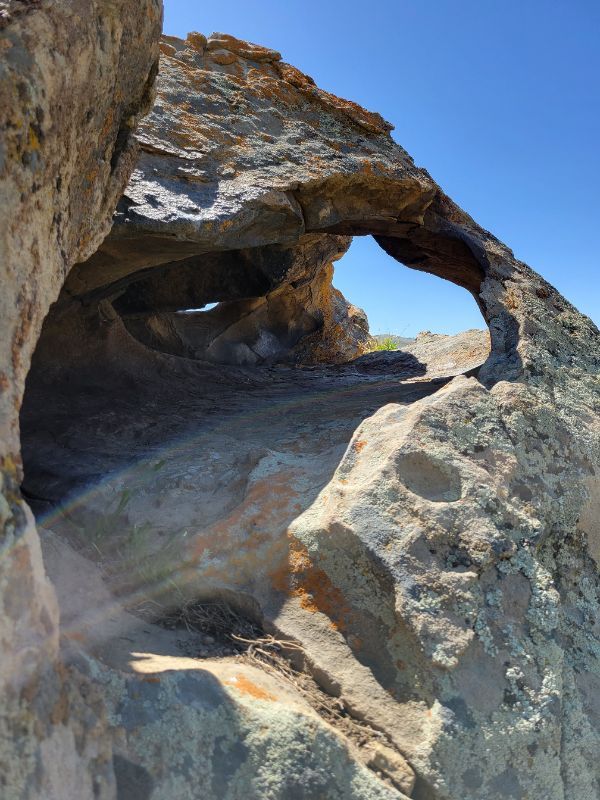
133	408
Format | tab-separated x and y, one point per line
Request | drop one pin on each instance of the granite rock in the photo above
74	78
421	525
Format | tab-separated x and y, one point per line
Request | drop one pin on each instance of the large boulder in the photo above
427	541
74	78
216	728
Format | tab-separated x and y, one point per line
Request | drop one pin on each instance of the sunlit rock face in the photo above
419	527
74	78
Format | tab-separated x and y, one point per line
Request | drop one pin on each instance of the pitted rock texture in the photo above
74	78
427	538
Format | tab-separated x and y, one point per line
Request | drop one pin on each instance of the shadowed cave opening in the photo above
231	318
177	420
247	307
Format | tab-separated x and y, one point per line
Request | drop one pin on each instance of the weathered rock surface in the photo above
427	538
443	355
74	77
186	721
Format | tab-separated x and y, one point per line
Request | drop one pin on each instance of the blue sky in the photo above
499	101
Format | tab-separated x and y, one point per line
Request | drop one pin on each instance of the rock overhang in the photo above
262	156
460	515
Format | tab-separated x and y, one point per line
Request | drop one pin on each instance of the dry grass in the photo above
285	659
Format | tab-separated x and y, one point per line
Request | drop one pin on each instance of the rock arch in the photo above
465	594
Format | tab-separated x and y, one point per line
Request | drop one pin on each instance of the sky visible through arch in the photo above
499	101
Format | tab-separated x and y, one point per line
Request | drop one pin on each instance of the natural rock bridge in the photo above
281	572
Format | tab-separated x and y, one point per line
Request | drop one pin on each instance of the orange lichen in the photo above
194	133
266	502
512	299
246	686
196	40
223	58
245	536
269	87
369	120
108	124
247	50
302	579
167	49
34	142
359	444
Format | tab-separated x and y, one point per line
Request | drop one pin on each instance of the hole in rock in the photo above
400	303
179	416
206	307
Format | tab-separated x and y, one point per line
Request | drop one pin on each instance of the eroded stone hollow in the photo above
154	436
415	529
167	450
273	304
130	338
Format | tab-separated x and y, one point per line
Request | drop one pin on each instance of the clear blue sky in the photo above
498	99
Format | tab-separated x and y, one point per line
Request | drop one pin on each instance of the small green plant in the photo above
386	344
